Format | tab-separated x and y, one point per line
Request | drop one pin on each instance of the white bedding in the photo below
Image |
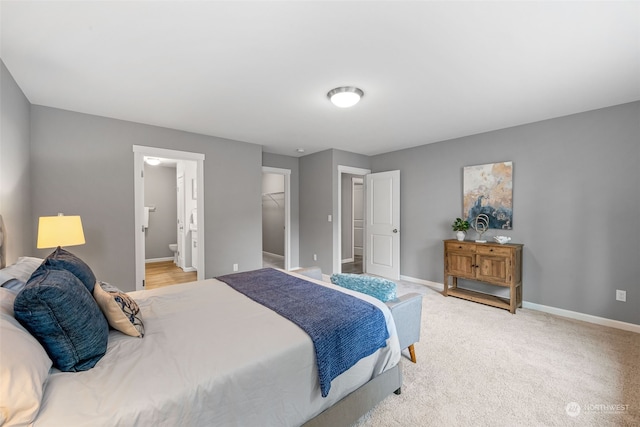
210	357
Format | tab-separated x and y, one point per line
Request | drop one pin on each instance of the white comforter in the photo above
210	357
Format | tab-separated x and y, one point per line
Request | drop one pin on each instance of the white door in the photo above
180	193
383	224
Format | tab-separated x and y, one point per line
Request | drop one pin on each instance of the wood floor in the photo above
165	273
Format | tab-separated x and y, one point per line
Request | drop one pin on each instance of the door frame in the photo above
139	153
287	211
337	236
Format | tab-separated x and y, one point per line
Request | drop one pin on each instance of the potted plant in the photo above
460	226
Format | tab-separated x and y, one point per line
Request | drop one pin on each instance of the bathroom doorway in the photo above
169	234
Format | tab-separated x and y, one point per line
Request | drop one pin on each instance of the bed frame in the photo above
343	413
347	411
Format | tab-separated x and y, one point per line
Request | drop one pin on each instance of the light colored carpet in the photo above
482	366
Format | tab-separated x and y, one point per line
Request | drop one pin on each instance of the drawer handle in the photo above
459	247
490	250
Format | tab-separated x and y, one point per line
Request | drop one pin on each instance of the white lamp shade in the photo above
54	231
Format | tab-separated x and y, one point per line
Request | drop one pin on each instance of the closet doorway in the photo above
276	240
352	223
344	259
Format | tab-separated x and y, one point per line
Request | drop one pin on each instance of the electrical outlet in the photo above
329	218
621	295
315	257
235	267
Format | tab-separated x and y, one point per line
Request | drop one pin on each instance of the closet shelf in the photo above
270	195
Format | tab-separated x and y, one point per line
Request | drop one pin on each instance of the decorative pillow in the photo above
64	260
21	269
377	287
60	313
24	368
121	311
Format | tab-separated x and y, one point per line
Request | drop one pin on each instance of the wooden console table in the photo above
492	263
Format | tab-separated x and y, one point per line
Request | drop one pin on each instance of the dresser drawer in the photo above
493	250
458	247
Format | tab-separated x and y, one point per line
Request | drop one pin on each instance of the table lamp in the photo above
60	230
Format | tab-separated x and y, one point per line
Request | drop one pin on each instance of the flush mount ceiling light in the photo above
346	96
152	161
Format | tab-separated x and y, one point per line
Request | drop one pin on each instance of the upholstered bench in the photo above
407	314
406	309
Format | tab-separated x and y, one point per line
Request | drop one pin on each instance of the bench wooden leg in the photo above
412	353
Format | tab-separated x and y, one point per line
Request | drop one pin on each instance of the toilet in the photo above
174	249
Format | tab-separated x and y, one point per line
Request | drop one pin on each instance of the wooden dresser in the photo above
491	263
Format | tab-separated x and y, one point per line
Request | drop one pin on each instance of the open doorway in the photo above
171	222
169	215
343	245
276	241
352	217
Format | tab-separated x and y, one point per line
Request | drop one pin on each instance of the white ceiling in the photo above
259	71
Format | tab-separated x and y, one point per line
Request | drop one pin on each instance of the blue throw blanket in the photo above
344	329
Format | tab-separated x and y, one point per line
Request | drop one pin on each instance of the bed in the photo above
210	355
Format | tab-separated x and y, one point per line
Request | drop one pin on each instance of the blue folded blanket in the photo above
343	328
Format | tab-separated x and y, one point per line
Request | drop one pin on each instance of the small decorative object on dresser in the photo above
490	263
481	224
502	239
460	226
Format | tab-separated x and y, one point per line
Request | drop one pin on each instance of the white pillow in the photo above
121	311
21	270
24	368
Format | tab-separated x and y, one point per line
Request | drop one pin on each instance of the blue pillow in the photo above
60	313
377	287
61	259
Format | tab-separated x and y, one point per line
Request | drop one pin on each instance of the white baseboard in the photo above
344	261
272	254
151	260
189	269
547	309
581	316
435	285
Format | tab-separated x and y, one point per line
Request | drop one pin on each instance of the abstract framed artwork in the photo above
488	189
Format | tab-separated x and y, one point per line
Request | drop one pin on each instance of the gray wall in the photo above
15	183
291	163
83	164
316	203
160	191
576	204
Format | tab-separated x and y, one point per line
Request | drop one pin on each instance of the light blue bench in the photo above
405	309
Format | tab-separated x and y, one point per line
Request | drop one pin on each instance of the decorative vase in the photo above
460	235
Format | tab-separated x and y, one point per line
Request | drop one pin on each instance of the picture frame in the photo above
488	189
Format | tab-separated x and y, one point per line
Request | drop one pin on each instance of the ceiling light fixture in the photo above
152	161
346	96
